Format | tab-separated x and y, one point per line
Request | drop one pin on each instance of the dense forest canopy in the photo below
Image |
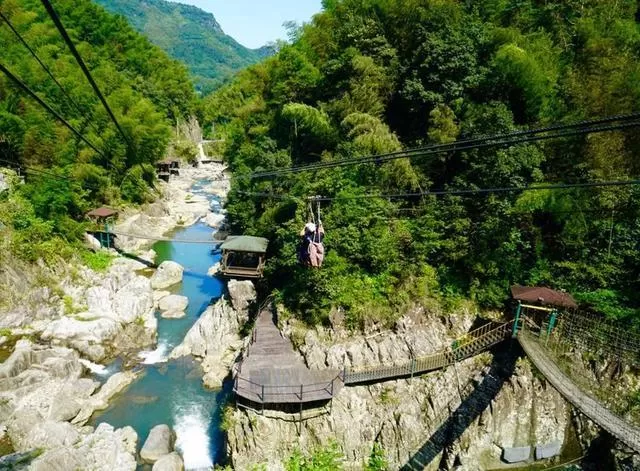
190	35
374	76
146	90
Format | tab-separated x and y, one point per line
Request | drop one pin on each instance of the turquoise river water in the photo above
171	392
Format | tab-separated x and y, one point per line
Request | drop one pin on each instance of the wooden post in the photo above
301	408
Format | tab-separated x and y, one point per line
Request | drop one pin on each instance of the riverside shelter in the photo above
243	256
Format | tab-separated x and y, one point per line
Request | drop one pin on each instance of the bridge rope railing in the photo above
590	332
618	426
466	346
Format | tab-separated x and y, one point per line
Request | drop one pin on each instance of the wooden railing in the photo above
467	346
289	394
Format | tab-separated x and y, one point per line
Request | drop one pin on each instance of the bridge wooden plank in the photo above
596	411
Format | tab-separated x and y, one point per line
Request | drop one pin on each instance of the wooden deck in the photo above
273	373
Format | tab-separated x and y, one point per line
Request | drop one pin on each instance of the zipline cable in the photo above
585	127
459	192
46	69
20	84
65	36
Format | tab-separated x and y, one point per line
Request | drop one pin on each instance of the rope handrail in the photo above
476	336
587	404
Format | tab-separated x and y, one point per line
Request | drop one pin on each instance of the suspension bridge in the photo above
272	375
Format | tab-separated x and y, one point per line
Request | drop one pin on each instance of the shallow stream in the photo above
171	392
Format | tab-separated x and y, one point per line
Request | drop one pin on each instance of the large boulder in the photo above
214	220
168	274
90	241
214	339
99	401
158	444
133	301
242	294
170	462
173	302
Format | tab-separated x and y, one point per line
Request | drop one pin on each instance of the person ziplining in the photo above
311	248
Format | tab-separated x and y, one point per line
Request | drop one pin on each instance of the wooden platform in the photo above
273	373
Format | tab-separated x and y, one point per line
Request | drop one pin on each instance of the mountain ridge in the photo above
191	35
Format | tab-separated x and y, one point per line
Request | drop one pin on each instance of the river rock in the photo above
214	220
173	314
3	183
158	444
99	401
40	387
214	270
106	449
168	274
158	295
91	242
242	294
170	462
173	302
215	340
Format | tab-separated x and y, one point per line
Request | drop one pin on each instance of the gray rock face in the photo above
105	449
168	274
173	302
170	462
158	444
242	294
215	340
40	389
112	305
403	416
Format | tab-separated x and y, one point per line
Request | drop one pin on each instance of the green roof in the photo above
245	244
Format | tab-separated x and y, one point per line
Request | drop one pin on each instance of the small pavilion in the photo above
540	305
244	256
103	217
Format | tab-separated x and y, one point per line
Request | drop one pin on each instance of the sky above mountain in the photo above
254	23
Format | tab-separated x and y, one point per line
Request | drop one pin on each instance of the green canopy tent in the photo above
244	256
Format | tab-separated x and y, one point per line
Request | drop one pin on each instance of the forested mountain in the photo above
146	90
373	76
190	35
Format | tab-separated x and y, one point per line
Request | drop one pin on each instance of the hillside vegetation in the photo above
374	76
190	35
146	90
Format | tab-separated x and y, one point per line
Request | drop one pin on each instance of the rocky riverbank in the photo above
68	315
215	339
465	417
178	207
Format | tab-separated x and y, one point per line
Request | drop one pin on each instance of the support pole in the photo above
262	399
517	320
300	409
552	323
